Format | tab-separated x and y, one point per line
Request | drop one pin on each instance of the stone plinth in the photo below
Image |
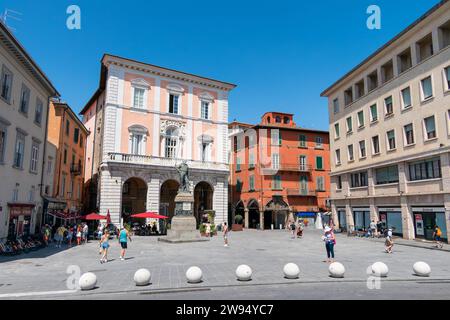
183	226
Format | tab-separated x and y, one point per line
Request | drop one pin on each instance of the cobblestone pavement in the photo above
43	274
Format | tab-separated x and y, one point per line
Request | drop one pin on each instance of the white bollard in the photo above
380	269
244	273
87	281
142	277
194	275
337	270
291	271
422	269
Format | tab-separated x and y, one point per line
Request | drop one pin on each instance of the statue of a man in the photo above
183	171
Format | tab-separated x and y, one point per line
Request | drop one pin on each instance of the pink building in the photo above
144	120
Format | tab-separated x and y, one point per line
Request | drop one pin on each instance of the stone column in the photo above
220	202
334	216
403	187
371	182
349	217
153	195
373	210
447	215
261	220
407	219
111	195
246	218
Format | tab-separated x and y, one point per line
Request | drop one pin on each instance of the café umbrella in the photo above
94	217
149	215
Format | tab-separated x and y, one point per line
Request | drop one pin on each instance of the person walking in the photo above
437	234
293	228
104	244
373	228
225	231
59	236
330	241
47	233
79	235
70	236
389	243
123	240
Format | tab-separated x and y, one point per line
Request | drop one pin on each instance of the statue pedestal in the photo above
183	226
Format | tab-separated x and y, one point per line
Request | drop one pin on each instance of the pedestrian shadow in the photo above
40	253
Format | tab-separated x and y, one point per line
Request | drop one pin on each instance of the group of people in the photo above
65	234
296	228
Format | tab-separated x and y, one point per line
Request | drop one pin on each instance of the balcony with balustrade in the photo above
301	193
293	167
134	159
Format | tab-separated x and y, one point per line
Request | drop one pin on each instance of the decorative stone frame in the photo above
206	97
137	130
139	84
178	90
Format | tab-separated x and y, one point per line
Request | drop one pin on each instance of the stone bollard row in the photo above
142	277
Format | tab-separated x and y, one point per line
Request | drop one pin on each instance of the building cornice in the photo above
109	59
373	56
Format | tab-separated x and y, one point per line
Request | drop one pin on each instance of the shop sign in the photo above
15	212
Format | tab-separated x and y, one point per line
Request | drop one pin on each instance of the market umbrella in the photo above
108	218
149	215
94	216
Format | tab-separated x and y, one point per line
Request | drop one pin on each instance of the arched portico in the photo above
203	199
134	199
253	214
276	213
169	190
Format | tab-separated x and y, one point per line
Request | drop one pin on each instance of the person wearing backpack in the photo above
437	237
330	241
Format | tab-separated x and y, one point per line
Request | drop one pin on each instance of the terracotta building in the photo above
64	171
278	171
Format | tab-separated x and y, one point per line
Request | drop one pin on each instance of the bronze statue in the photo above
183	171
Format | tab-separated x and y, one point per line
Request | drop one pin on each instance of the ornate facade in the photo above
146	120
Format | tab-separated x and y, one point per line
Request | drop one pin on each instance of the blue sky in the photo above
281	54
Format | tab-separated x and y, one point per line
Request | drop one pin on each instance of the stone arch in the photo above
253	214
276	213
134	198
168	192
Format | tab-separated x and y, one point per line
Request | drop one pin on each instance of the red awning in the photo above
94	216
149	215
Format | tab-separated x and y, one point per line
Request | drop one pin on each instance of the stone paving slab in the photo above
265	251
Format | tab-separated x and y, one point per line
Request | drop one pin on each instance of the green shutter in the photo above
319	163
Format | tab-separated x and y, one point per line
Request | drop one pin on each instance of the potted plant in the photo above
211	215
202	229
237	226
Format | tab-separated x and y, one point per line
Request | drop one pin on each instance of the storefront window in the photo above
441	222
394	221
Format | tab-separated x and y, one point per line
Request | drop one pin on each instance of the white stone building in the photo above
144	120
390	133
24	98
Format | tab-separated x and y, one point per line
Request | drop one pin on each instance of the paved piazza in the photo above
42	274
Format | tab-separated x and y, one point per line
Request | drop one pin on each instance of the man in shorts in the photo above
437	237
123	240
